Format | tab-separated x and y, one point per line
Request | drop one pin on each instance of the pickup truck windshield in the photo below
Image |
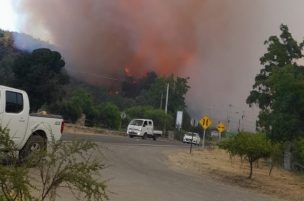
136	122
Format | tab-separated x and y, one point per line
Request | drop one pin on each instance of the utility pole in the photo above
167	96
243	116
228	117
161	100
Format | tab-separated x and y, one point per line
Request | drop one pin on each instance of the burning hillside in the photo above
117	37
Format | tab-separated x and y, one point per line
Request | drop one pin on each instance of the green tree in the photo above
77	103
249	146
156	95
70	111
40	73
279	88
109	115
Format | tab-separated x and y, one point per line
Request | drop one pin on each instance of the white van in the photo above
142	128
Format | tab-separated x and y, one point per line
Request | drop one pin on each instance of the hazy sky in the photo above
217	43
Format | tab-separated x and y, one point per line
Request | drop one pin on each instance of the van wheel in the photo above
35	143
144	136
131	136
154	137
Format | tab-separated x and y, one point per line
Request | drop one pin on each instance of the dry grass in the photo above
73	128
218	164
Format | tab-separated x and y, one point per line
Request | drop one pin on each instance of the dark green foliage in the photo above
299	150
276	156
279	88
178	88
7	56
79	102
132	87
109	115
249	146
151	90
41	74
186	121
70	111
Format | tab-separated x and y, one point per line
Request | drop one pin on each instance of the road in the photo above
139	171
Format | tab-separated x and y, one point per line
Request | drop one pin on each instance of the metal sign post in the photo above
220	128
204	139
191	144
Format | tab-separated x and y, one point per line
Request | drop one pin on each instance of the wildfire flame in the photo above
127	71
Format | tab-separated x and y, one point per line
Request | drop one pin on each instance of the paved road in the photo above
139	171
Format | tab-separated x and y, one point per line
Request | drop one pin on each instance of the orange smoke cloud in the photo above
102	37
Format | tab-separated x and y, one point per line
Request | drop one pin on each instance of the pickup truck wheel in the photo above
35	143
144	136
131	136
154	137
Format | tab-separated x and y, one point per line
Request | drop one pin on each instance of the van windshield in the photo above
136	122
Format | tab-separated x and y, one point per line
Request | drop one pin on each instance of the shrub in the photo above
299	150
70	165
109	115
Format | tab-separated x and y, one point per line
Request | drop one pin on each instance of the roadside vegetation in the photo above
75	166
279	93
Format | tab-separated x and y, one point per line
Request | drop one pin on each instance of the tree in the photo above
156	95
132	87
250	146
77	103
7	55
279	88
41	73
109	115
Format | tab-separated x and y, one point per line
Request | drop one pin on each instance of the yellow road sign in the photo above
220	127
205	122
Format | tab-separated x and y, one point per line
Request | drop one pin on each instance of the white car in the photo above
192	137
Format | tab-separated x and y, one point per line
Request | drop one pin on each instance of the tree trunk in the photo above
251	164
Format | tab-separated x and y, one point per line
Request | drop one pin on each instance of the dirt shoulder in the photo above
76	129
218	165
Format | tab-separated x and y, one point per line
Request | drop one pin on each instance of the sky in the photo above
8	17
217	43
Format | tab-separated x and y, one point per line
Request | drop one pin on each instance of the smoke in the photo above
217	43
106	37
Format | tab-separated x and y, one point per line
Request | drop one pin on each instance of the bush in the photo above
249	146
70	165
299	150
109	115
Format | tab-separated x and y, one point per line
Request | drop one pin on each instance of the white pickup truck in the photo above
28	131
143	128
